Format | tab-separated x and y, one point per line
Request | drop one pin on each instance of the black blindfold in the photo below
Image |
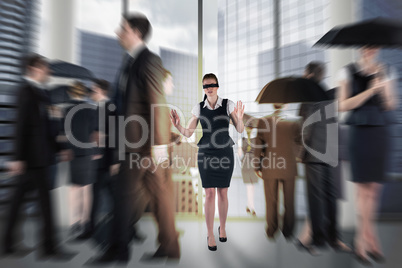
210	85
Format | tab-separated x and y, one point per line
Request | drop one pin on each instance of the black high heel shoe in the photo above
308	248
362	260
222	239
377	257
213	248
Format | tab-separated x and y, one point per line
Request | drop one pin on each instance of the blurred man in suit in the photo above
35	143
275	161
103	183
139	89
322	190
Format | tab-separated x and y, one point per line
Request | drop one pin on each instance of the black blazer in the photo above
315	135
105	149
83	124
144	88
35	131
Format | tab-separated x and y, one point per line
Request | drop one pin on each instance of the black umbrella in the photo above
291	89
59	94
380	32
69	70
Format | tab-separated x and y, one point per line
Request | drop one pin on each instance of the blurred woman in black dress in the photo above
366	89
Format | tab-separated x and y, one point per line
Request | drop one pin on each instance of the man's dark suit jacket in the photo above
144	88
315	135
105	149
35	131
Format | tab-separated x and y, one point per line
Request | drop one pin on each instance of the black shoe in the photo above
289	238
159	256
122	258
84	236
8	250
19	251
311	249
112	254
75	229
377	257
149	257
57	254
321	244
213	248
222	239
340	248
362	260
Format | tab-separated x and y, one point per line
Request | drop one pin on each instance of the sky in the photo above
174	24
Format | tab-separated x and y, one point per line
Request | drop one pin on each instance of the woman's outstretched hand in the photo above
239	110
174	117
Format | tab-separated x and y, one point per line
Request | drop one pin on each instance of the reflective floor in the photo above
247	246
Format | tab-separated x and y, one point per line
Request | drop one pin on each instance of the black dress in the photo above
83	124
215	154
368	133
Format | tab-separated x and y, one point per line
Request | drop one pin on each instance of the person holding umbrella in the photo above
366	89
277	139
215	155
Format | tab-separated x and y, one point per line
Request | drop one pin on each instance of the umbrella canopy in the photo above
291	90
59	94
69	70
248	121
379	32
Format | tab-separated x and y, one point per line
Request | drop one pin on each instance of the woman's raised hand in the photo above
174	117
239	110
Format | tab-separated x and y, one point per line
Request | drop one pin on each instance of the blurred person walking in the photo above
321	227
140	94
247	170
81	126
35	144
103	187
367	91
275	163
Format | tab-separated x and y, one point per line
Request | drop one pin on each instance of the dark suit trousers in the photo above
38	179
140	185
103	185
322	202
271	187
